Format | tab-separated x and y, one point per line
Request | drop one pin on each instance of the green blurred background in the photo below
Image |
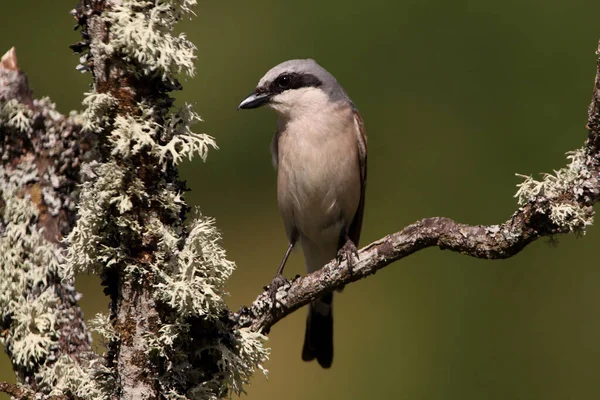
456	97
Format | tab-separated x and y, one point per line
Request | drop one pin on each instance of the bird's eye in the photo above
284	81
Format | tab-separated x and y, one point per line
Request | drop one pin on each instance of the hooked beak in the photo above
254	100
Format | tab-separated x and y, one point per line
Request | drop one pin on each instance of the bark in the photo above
53	160
23	393
133	309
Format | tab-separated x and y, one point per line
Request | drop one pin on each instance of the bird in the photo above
320	153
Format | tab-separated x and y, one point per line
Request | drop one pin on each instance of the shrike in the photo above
320	152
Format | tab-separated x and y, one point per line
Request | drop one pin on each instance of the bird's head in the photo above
295	86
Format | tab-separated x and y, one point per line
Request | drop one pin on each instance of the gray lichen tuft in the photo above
142	34
562	189
16	115
194	284
27	259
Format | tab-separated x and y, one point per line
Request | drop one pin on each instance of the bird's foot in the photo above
346	252
277	282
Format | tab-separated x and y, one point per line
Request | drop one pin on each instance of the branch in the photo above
165	275
560	203
22	393
16	391
42	326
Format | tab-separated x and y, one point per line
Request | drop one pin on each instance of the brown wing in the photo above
275	149
355	227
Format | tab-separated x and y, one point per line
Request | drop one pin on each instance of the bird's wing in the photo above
355	227
275	149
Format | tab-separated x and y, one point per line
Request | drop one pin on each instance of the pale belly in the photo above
319	189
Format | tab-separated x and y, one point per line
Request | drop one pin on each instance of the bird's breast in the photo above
318	174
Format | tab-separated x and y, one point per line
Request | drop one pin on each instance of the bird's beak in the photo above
254	100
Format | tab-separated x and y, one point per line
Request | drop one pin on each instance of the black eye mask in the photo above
287	81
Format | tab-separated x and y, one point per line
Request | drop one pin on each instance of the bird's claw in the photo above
277	282
346	252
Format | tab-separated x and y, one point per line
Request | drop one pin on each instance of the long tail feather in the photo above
318	339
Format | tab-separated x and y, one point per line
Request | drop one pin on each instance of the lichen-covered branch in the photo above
23	393
167	332
16	391
41	324
559	203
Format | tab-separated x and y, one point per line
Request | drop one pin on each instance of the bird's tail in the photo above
318	339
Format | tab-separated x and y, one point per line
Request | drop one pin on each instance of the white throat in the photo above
299	103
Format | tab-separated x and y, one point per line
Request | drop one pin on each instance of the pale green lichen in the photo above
575	217
239	356
33	327
189	269
551	186
26	261
94	382
27	298
195	285
565	181
164	346
49	111
132	135
102	326
16	115
36	307
88	250
97	111
182	7
142	34
184	143
250	355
